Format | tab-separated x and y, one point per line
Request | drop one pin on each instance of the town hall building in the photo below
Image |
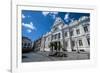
74	36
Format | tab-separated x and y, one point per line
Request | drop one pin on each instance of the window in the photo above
55	36
71	33
80	43
22	45
73	43
78	31
58	35
59	20
65	34
25	44
88	40
52	37
29	44
85	28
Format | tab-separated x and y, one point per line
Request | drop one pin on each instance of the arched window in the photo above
80	43
25	45
58	35
78	31
66	34
88	40
85	28
71	33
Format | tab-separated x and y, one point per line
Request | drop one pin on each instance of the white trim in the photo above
41	66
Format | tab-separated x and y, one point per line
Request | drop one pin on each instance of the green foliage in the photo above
57	45
50	45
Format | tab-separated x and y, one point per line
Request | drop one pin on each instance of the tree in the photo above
51	46
59	46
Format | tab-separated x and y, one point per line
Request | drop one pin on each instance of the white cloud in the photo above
23	16
66	18
52	14
29	16
30	26
45	13
29	30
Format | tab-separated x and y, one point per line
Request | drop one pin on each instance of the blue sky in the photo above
37	23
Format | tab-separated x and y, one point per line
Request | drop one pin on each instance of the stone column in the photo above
70	40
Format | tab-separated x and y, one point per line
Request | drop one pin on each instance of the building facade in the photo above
37	45
74	36
26	44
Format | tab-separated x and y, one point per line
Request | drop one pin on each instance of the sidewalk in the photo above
70	56
44	56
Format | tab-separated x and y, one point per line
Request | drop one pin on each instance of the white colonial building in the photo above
74	36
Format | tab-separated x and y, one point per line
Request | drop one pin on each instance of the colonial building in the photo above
37	45
26	44
74	36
